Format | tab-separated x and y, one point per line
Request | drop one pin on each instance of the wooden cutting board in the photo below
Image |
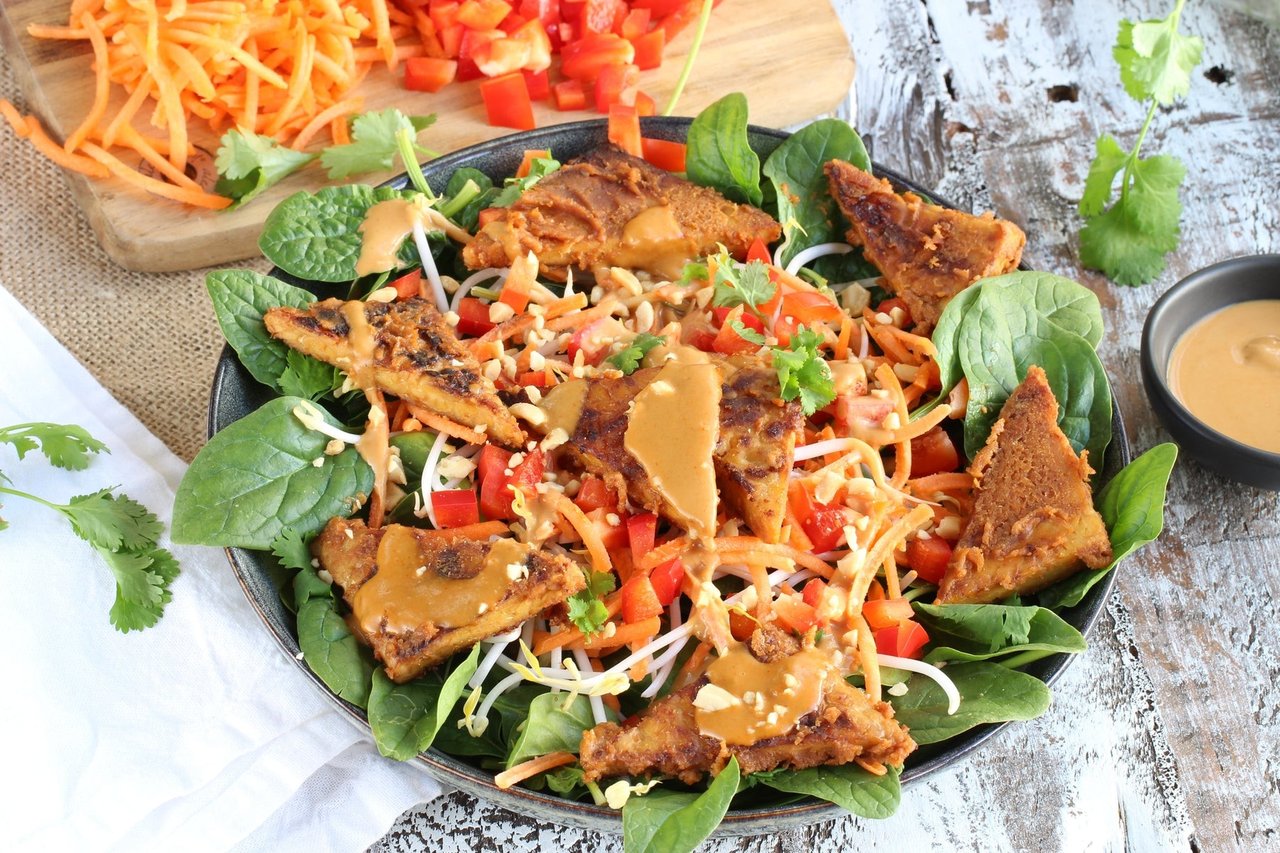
790	57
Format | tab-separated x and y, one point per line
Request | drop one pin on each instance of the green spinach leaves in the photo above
665	821
720	154
969	632
989	693
259	477
327	644
240	299
405	718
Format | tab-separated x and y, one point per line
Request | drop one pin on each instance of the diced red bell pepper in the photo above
933	453
886	612
645	105
807	306
602	16
569	95
584	341
635	24
473	49
624	129
444	15
536	378
534	34
547	11
703	339
639	600
428	74
664	154
759	251
813	592
473	317
614	536
888	305
751	321
506	102
594	494
903	640
824	527
526	164
667	579
483	14
408	285
499	56
728	341
493	462
649	48
794	614
539	83
455	508
660	8
741	626
616	84
513	22
582	59
929	557
451	42
642	530
496	493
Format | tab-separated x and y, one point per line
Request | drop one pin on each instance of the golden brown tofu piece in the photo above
1033	521
665	738
609	209
427	594
757	444
416	356
927	254
753	454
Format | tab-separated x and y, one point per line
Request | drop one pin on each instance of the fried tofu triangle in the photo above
416	356
609	209
665	739
1033	522
419	596
926	253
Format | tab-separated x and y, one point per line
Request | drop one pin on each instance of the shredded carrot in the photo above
15	119
524	322
57	154
196	198
948	482
841	349
693	666
875	768
630	632
450	428
481	530
590	536
532	767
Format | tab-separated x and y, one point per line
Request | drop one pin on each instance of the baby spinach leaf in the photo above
971	632
989	693
1000	338
332	651
946	337
308	585
240	299
308	377
846	785
554	724
664	821
808	213
414	448
256	477
406	717
317	236
719	154
469	191
1132	507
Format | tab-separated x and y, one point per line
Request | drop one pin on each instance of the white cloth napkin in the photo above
196	734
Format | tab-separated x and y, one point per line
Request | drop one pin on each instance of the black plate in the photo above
235	394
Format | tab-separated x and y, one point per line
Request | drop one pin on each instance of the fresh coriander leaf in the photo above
1155	59
1152	203
693	271
1109	158
1113	243
249	163
373	146
628	360
586	610
292	550
142	586
307	377
742	284
65	445
746	333
112	522
515	187
802	372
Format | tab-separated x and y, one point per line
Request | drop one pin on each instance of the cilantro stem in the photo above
404	142
1175	17
19	494
1024	658
703	17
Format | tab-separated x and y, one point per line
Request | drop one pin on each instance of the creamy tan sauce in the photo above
409	592
385	227
653	240
374	445
848	377
1226	370
563	406
672	432
750	700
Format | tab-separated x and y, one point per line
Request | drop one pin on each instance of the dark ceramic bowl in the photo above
1194	298
235	394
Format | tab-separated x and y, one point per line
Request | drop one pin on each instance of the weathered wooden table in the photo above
1166	733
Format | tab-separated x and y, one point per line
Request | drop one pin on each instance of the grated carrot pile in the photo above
282	69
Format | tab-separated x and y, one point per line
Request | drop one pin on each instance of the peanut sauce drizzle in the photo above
653	240
747	700
409	589
375	444
388	223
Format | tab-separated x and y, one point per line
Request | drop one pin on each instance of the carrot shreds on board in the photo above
196	198
57	154
15	119
533	767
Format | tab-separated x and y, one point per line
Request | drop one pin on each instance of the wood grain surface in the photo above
1165	735
741	52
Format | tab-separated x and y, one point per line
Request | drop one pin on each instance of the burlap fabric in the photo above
150	338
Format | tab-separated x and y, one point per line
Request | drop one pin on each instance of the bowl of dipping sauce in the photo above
1211	367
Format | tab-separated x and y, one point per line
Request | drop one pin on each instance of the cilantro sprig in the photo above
628	360
586	607
746	284
122	531
248	163
1129	240
802	372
